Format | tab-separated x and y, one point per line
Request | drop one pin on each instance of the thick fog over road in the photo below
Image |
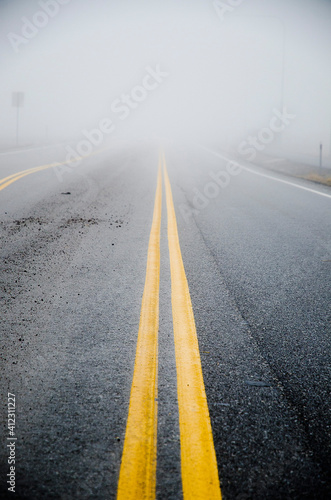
223	67
165	249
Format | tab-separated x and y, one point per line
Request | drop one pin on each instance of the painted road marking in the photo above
36	148
271	177
137	478
15	177
198	459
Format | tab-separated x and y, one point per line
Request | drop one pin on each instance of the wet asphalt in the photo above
73	256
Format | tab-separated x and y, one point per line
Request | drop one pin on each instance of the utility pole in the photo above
283	56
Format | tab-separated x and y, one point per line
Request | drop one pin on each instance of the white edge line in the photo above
265	175
33	148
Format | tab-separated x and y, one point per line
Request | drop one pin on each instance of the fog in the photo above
203	71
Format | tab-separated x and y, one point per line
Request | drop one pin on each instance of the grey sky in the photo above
224	76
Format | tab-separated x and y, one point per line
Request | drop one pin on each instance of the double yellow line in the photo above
15	177
137	478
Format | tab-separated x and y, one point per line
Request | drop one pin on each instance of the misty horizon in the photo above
223	72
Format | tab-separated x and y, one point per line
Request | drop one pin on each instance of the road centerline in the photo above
137	477
198	458
15	177
10	179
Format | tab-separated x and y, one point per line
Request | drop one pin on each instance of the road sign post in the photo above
17	102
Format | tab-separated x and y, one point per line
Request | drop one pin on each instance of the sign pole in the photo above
17	121
17	102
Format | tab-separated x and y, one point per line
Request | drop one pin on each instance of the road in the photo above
256	254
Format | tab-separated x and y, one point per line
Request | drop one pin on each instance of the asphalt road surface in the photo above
87	333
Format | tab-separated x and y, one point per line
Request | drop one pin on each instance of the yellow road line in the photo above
18	175
137	480
198	459
15	177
